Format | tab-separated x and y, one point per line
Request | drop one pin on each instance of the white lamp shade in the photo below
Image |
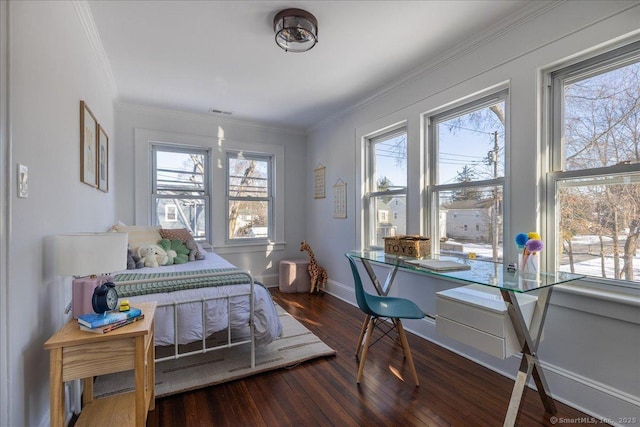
84	254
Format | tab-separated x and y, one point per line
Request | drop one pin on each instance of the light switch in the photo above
23	181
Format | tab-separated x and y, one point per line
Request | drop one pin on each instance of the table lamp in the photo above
89	257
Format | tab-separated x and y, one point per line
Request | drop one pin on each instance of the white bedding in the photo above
267	323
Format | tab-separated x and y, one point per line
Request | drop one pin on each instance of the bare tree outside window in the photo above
599	177
180	188
387	195
468	170
249	196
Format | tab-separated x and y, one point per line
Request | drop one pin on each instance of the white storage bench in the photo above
477	316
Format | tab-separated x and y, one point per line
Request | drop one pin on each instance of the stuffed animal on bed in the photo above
177	252
133	261
194	250
152	255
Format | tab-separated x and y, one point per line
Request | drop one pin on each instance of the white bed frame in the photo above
204	348
74	389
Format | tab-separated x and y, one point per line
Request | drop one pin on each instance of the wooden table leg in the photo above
56	388
151	370
87	391
139	382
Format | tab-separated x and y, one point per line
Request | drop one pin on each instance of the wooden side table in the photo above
76	354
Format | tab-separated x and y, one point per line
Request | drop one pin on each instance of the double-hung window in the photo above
466	151
386	198
180	188
593	185
249	196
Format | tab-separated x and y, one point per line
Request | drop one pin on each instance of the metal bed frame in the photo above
204	348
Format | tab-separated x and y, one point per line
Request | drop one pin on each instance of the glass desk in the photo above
494	275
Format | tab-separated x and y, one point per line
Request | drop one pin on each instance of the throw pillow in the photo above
139	235
181	234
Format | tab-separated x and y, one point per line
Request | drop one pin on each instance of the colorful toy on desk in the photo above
124	305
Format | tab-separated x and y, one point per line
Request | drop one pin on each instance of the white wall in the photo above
52	66
591	359
218	133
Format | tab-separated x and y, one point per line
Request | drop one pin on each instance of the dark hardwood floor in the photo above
453	390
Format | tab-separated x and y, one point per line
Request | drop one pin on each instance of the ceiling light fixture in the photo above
296	30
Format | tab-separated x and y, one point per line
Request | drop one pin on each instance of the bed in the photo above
203	298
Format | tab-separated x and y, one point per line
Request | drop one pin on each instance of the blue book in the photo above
95	320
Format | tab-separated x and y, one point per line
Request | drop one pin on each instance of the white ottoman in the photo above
294	275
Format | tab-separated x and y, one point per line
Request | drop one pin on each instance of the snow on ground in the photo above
588	264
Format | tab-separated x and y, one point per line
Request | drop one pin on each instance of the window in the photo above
386	186
594	173
466	147
249	196
180	188
170	213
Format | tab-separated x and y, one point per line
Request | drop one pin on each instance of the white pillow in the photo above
139	235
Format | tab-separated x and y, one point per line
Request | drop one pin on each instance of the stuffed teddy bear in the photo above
176	251
133	261
152	255
194	251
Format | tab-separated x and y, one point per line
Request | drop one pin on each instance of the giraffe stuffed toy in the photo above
318	274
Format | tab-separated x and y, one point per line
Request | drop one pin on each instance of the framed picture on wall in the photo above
88	146
103	160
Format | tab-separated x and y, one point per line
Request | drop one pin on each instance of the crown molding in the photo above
517	19
206	118
88	24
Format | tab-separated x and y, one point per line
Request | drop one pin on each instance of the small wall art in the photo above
340	199
103	160
88	146
319	179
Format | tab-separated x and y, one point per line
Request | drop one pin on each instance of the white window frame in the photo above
552	163
206	193
432	207
142	184
234	154
369	213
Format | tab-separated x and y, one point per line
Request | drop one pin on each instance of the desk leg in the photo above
380	289
530	365
56	388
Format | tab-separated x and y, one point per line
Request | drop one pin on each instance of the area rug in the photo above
296	345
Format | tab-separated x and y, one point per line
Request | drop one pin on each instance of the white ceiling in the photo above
197	55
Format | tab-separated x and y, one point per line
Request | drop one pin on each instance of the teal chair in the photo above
383	307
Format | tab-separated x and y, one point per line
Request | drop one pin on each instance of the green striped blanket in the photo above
185	282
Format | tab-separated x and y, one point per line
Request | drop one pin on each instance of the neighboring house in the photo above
398	213
392	218
471	220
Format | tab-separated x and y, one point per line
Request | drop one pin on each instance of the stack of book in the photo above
106	322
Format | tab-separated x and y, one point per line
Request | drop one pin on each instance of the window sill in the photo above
620	295
236	248
619	303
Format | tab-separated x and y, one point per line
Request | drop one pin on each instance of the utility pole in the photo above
493	158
